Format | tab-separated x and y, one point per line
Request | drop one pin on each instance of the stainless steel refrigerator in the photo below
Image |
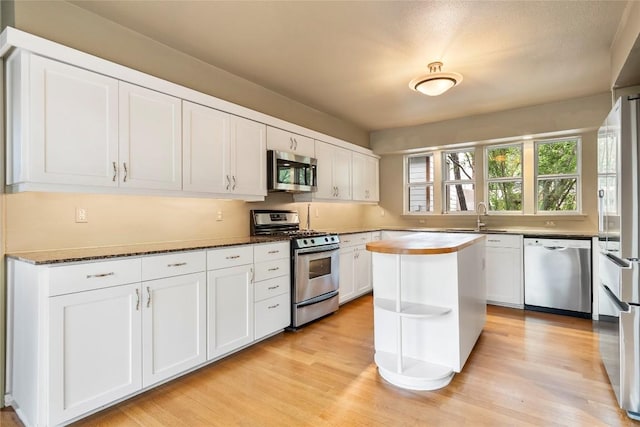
619	213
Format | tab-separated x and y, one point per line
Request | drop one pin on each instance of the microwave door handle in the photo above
622	306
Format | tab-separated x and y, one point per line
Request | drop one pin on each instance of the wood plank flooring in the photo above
527	369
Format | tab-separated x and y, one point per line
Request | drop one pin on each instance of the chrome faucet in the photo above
480	224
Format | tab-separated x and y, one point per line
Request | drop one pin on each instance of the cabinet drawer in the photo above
272	315
504	240
355	239
229	257
270	251
271	269
271	288
67	279
175	264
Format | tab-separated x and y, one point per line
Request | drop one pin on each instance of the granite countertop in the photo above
104	252
422	244
527	232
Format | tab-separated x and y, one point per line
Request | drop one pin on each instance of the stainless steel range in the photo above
314	264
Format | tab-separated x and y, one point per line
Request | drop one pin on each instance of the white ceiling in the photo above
354	59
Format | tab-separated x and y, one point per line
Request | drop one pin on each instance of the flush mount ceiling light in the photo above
436	82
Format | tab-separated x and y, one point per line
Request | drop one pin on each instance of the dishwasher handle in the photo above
555	248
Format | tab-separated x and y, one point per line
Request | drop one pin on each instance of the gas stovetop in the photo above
287	223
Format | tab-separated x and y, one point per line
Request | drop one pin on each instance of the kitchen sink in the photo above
473	230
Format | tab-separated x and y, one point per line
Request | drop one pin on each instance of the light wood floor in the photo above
526	369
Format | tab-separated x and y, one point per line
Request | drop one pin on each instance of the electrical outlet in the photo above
381	212
317	213
82	215
550	223
219	216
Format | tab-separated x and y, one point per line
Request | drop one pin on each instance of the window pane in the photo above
505	196
421	199
460	197
459	165
558	157
557	194
421	169
504	162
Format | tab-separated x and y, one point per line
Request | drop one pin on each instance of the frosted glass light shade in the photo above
435	83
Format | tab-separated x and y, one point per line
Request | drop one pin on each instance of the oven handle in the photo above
317	250
317	299
622	306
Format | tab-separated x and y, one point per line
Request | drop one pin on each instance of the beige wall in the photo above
72	26
583	114
40	221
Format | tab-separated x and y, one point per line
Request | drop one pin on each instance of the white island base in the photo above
429	307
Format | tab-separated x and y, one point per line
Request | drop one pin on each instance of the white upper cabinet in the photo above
365	178
62	123
223	153
281	140
150	139
334	172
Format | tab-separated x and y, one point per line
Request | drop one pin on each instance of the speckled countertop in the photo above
104	252
97	253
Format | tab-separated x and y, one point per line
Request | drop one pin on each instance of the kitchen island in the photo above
429	306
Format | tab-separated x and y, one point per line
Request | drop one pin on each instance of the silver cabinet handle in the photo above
274	252
233	257
253	275
273	287
274	306
290	143
115	171
234	182
274	269
126	171
228	182
337	191
295	144
177	264
148	296
95	276
137	299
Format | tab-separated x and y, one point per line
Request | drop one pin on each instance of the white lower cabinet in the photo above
504	270
173	326
95	351
355	265
229	309
272	292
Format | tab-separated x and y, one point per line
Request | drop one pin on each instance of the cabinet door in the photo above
362	270
281	140
248	157
347	284
342	172
324	155
229	309
73	125
173	326
150	139
359	174
373	179
95	349
504	275
205	144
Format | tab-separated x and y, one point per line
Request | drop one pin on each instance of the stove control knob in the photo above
313	241
326	239
304	241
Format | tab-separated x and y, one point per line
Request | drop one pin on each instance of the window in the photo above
558	175
419	183
504	178
459	180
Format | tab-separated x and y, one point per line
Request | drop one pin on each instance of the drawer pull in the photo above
273	252
177	264
493	240
363	238
274	269
95	276
273	287
274	306
233	257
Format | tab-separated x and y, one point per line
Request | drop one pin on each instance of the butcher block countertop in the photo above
416	244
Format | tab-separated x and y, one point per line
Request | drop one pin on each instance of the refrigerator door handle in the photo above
622	263
622	306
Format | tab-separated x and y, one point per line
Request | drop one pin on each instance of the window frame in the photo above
445	182
408	185
488	180
577	175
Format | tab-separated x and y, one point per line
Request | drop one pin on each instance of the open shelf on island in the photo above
411	309
416	374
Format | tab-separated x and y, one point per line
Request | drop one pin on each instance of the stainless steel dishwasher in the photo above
557	276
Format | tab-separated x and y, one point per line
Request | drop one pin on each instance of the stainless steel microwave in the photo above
290	172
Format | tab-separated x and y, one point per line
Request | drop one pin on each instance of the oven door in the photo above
316	273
